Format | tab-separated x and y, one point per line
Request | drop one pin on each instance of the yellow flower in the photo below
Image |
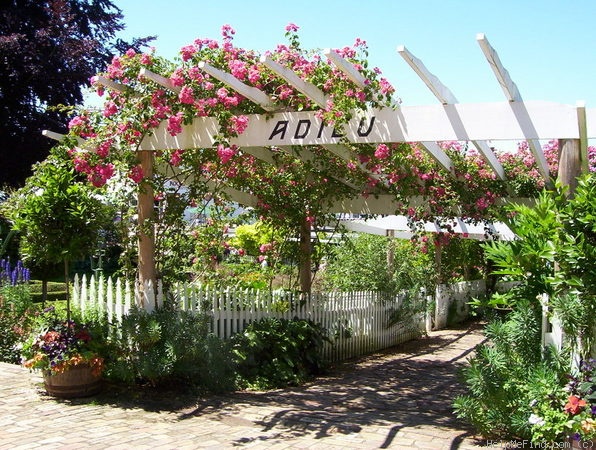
588	426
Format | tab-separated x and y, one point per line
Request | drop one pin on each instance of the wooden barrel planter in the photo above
76	381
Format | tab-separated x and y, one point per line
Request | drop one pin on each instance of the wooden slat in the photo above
112	84
252	93
513	95
438	89
446	97
306	88
509	87
59	136
346	67
161	80
438	155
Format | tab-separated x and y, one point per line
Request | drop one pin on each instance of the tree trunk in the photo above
67	290
305	258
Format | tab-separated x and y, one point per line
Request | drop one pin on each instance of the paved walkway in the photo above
398	399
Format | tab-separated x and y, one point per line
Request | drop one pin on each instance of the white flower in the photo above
536	420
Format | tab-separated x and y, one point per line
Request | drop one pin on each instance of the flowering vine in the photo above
301	185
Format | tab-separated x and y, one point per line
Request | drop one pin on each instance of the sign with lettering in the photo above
459	122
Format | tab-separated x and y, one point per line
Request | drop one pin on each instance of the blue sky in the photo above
548	47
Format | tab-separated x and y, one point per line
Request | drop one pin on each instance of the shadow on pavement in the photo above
410	385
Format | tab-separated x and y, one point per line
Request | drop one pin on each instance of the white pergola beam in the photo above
439	90
346	67
513	95
503	77
446	97
438	155
53	135
490	158
262	153
161	80
306	88
252	93
59	136
475	121
112	84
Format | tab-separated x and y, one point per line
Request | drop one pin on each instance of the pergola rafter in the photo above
512	93
446	97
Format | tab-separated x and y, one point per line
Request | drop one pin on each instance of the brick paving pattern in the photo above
399	399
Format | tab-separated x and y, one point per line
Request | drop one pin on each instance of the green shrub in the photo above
169	344
275	353
499	374
362	263
16	316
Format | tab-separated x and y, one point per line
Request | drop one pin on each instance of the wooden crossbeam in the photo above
438	155
439	90
252	93
306	88
59	136
446	97
476	121
161	80
513	95
346	67
262	153
112	84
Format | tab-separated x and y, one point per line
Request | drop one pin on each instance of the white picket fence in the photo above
358	322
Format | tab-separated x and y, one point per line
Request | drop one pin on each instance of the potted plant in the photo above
67	353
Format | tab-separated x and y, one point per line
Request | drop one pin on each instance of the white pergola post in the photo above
146	233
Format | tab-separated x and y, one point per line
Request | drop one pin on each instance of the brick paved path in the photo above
397	399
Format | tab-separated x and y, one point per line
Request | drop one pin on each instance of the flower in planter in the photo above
60	344
568	411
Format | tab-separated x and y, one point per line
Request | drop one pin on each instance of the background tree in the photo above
49	51
58	215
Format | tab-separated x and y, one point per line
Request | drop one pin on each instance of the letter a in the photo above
280	128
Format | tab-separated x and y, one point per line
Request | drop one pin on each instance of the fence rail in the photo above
358	322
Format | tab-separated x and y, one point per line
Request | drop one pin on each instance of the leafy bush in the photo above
275	353
505	375
362	264
170	344
515	387
16	316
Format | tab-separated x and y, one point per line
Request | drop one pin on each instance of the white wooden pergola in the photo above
447	120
